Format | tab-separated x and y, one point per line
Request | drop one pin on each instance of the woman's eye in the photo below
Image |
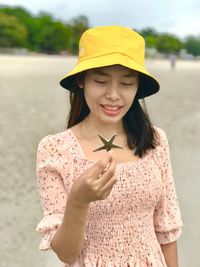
104	82
127	84
101	82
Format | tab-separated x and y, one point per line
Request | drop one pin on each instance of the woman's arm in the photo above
68	241
170	253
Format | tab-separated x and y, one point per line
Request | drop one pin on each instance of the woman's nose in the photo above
112	92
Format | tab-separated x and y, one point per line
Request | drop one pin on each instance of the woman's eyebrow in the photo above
100	72
129	75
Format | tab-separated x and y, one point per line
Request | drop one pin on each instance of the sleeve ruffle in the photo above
48	227
168	237
167	215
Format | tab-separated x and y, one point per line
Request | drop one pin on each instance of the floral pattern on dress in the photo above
127	228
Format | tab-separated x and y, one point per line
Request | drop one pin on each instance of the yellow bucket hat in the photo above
109	45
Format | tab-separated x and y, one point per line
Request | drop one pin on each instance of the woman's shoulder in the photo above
160	136
56	139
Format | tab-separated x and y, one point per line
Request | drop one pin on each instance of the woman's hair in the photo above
137	124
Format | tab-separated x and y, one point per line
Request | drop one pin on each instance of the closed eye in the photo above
102	82
127	84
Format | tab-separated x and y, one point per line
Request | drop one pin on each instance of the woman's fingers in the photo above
97	182
108	174
107	188
100	167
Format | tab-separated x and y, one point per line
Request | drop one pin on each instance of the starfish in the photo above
108	144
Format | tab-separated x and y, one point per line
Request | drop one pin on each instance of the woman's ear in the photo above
80	85
80	80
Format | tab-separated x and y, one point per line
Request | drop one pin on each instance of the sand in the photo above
32	105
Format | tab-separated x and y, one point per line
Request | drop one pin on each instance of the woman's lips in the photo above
111	110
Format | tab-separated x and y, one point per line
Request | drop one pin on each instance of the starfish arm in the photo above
100	148
115	146
103	139
112	138
108	144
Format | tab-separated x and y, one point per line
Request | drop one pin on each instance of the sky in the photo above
178	17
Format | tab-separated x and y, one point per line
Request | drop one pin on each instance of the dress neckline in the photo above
83	155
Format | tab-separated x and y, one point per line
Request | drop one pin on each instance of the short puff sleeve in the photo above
167	216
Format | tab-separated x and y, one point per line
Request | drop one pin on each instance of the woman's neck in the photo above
94	128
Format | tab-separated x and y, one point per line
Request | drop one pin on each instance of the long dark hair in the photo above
137	124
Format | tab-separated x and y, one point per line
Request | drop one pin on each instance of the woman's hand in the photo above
96	183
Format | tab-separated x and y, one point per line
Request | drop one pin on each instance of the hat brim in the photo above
148	85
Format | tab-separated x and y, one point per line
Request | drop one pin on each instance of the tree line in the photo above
43	33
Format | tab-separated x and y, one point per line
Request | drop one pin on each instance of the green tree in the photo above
50	36
192	45
78	26
22	15
12	32
44	34
148	32
167	43
150	36
151	41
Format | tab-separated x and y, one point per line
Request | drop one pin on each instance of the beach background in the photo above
33	105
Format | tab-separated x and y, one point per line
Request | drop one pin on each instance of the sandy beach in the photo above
32	105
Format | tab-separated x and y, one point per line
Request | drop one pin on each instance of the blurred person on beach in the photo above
172	59
105	183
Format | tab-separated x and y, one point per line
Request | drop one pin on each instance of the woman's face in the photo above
110	91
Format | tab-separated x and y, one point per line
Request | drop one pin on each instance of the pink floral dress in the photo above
125	229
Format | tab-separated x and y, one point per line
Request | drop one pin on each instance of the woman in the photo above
112	203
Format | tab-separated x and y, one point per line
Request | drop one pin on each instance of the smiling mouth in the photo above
111	111
111	108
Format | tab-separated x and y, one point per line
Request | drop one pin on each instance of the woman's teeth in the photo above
111	108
